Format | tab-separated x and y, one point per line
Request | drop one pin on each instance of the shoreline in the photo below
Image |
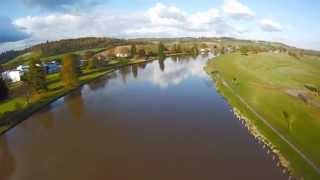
254	131
262	111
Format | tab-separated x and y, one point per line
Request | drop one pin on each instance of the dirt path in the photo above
311	163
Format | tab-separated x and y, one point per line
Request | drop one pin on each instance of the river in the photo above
159	120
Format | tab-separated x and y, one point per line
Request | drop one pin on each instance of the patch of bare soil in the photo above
304	96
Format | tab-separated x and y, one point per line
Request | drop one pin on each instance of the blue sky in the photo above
26	22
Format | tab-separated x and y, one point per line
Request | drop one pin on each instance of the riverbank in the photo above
23	109
256	89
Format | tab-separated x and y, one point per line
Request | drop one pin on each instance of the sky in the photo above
26	22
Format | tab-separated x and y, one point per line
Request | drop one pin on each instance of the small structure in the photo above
52	67
204	50
122	51
23	68
122	55
12	75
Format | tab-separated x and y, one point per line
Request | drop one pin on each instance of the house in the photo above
52	67
122	51
122	55
12	75
204	50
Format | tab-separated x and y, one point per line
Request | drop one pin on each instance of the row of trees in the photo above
37	77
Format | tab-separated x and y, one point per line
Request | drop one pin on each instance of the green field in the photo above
273	85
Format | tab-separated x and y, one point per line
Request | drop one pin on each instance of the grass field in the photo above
273	84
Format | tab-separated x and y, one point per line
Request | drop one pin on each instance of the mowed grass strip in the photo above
263	81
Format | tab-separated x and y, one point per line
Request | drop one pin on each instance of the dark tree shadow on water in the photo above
76	105
7	161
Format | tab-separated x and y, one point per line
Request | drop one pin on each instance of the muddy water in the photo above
161	120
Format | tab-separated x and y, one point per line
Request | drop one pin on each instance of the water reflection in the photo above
100	83
175	70
157	119
47	121
135	71
125	72
161	64
166	72
7	161
76	105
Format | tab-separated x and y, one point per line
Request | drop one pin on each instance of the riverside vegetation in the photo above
278	96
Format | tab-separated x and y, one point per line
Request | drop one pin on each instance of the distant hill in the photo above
62	46
58	48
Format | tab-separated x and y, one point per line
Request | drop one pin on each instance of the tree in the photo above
141	53
88	55
133	50
161	49
124	50
69	71
36	76
110	54
194	50
244	50
178	48
93	63
4	90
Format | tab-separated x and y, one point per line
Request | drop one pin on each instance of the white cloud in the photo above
237	10
270	25
158	21
166	15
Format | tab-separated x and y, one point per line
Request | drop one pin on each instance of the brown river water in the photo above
163	120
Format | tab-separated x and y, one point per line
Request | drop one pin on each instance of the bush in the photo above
312	88
244	50
294	54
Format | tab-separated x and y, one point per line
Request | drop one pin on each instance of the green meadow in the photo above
275	85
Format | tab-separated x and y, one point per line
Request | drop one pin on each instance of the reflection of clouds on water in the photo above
176	72
171	71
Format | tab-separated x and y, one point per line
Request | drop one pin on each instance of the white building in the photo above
12	75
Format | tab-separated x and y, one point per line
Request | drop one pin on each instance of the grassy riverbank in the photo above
16	109
271	87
